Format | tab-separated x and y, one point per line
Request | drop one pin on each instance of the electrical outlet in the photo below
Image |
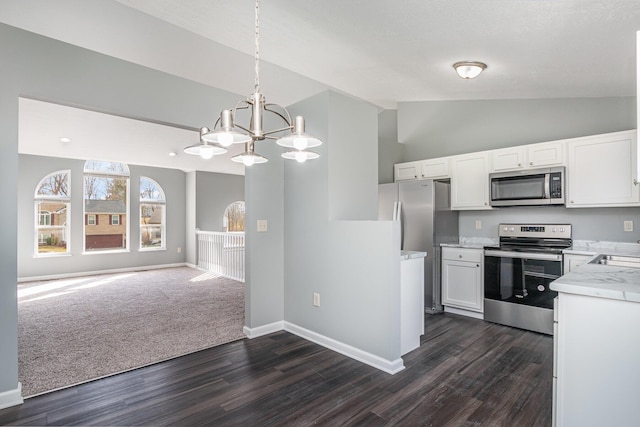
179	250
262	225
628	226
478	224
316	299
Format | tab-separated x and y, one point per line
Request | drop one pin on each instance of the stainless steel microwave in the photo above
530	187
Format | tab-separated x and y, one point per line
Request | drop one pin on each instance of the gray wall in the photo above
353	265
442	128
216	191
603	224
33	168
390	151
42	68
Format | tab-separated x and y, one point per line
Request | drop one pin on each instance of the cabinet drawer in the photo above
462	254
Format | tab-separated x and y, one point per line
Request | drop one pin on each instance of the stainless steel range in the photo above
517	274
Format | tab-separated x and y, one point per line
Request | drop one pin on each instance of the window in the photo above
52	207
152	215
106	197
234	217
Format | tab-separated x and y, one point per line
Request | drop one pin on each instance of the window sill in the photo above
151	249
53	255
106	252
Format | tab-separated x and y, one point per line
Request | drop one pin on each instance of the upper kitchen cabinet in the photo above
435	168
602	170
540	155
422	169
470	181
406	171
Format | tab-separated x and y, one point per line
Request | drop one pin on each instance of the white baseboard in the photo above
93	273
462	312
388	366
188	264
11	397
263	330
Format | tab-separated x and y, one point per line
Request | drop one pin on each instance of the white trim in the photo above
263	330
188	264
389	366
462	312
11	397
92	273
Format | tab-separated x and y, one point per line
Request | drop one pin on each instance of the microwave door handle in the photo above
547	190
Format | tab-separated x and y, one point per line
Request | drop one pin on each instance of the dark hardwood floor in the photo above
467	372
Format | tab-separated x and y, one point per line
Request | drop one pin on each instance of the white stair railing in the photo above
221	253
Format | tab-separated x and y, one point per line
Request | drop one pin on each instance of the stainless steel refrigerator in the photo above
424	209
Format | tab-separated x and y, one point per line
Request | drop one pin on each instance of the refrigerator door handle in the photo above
395	211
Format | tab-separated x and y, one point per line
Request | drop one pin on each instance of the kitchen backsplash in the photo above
588	224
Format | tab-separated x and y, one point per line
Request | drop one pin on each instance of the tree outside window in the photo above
234	217
52	207
152	215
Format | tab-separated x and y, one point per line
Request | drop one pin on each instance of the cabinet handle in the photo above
635	181
477	265
459	256
531	163
519	164
485	203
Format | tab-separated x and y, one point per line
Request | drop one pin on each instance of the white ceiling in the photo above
381	51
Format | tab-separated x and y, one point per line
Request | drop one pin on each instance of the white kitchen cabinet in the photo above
435	168
532	156
411	301
596	359
462	278
507	159
470	181
573	261
601	170
545	154
407	171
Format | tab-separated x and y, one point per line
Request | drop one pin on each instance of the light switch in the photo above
628	226
262	225
478	224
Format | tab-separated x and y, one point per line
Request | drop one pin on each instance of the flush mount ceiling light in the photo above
469	69
229	132
205	149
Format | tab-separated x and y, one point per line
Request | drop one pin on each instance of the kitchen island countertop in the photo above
405	255
603	281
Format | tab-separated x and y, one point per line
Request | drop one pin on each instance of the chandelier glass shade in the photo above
205	149
226	132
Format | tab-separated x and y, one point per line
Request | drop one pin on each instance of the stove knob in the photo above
562	229
553	230
512	229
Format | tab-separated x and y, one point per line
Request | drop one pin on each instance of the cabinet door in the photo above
573	261
470	182
406	171
462	285
435	168
545	154
602	171
507	159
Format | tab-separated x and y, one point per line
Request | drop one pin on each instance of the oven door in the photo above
521	277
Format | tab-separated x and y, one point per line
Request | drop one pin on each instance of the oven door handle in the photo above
523	255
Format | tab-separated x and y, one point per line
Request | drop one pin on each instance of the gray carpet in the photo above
74	330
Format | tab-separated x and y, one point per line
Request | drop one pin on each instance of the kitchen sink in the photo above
617	261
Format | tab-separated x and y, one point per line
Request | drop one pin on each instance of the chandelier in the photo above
226	132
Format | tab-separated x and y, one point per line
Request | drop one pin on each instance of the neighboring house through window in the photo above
152	215
106	196
52	207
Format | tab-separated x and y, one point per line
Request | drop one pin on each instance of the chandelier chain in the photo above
257	41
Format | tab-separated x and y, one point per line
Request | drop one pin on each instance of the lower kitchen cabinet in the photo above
462	275
597	351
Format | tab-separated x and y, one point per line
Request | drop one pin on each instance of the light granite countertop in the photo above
405	255
604	281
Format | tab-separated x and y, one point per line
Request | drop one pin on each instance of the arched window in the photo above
234	217
52	209
106	206
152	215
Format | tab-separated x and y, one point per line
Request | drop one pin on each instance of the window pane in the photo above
151	225
55	185
234	217
150	190
105	204
52	227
